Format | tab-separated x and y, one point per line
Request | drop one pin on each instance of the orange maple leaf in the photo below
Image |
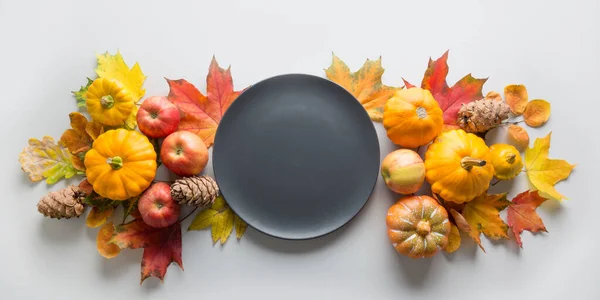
483	216
522	216
364	84
202	114
450	99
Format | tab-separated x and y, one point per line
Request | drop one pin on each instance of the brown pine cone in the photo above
482	115
64	203
198	191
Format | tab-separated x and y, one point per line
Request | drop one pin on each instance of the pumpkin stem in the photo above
421	112
423	228
511	158
468	163
115	162
107	101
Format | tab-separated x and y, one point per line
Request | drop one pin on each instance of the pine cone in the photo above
482	115
64	203
195	191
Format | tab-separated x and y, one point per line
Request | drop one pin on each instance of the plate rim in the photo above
376	176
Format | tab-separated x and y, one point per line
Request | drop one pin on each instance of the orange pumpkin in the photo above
418	226
412	117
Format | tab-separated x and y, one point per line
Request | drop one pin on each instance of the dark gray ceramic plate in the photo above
296	156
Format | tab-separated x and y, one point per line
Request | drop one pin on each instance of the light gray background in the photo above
47	49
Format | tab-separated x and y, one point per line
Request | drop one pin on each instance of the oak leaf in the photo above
46	159
221	219
544	172
450	99
537	112
482	215
516	97
78	163
162	246
522	216
77	139
202	114
98	216
105	248
364	84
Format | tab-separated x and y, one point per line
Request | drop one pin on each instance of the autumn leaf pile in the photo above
482	214
54	160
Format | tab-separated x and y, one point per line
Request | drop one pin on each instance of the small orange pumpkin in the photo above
412	117
418	226
458	167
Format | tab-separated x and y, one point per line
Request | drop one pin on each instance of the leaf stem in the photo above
189	214
509	123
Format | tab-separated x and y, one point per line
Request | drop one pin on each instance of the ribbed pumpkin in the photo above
418	226
412	117
121	164
458	166
506	160
108	102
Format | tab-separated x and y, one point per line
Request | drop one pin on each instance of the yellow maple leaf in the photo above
46	159
365	84
543	172
114	67
483	216
221	219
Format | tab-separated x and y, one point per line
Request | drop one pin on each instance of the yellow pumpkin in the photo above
418	226
506	160
108	102
458	166
121	164
412	117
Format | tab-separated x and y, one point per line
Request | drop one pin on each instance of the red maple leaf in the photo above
162	246
522	216
450	99
202	114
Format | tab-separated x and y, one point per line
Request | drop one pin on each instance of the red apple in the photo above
157	207
184	153
158	117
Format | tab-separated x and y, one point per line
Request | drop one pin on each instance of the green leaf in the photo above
100	202
222	226
80	95
129	206
240	226
203	219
